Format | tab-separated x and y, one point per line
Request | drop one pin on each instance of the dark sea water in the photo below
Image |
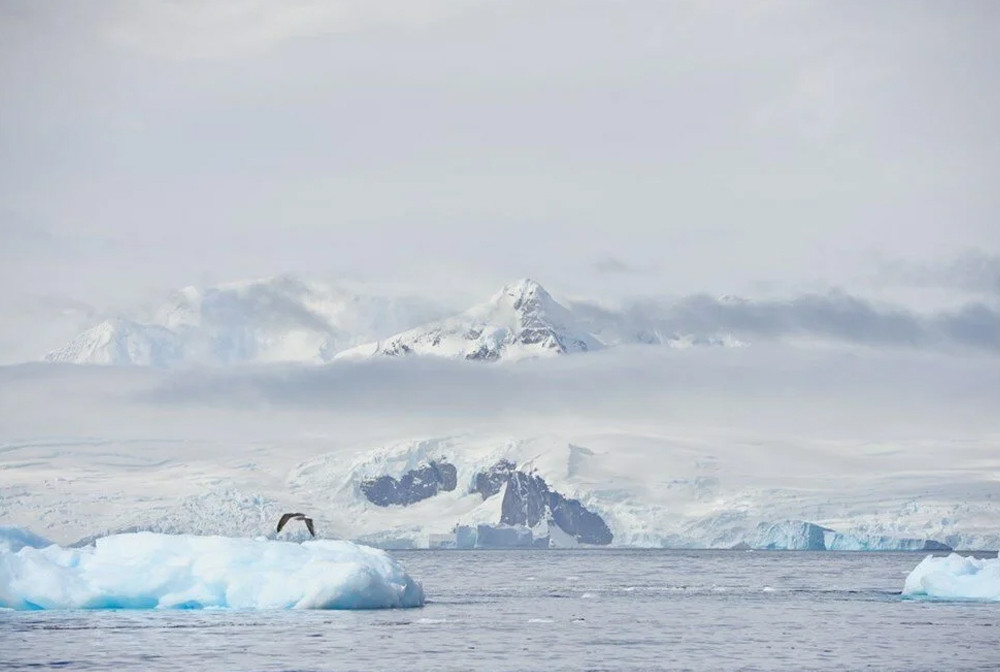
557	610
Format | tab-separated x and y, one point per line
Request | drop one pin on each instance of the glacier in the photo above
955	577
146	570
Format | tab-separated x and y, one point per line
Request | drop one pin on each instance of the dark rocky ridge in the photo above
491	481
415	485
529	501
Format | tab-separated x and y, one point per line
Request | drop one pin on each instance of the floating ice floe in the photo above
955	578
145	570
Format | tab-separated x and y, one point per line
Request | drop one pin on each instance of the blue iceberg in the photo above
145	570
955	578
15	538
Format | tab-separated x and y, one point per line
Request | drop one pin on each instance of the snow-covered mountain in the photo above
285	319
281	319
121	342
521	320
493	490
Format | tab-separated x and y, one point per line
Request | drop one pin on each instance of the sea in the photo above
556	610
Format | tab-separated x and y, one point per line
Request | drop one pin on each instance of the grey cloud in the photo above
771	388
482	141
764	387
975	271
217	29
837	316
279	302
613	265
834	316
976	325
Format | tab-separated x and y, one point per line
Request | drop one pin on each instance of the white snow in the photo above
286	319
955	577
146	570
521	320
277	319
120	342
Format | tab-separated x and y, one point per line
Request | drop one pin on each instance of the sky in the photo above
607	149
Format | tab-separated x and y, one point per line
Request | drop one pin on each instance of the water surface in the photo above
557	610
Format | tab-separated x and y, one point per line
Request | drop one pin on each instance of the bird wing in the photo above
285	517
309	526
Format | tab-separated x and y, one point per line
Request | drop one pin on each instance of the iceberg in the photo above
955	578
145	570
15	538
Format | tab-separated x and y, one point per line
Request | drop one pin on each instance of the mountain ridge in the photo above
521	320
286	319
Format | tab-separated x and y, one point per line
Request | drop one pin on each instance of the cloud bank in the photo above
834	316
813	391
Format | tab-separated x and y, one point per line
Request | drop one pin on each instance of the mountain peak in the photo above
521	320
119	341
523	286
524	294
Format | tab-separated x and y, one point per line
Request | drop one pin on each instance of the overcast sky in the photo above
612	148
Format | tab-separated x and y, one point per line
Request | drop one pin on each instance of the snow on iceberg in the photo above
955	577
145	570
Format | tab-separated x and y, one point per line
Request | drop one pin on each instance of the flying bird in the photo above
285	517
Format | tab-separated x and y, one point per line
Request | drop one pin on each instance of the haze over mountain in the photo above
270	320
288	320
285	319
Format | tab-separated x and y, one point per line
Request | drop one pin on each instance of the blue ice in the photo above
145	570
955	578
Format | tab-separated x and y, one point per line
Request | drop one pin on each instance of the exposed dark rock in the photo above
485	353
397	349
528	501
414	486
447	475
931	545
381	491
572	517
491	481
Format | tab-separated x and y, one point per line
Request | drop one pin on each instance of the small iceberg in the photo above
145	570
955	578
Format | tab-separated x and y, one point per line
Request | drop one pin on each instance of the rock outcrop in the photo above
528	501
414	486
492	480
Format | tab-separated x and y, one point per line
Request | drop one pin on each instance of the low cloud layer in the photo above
974	271
833	316
771	389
